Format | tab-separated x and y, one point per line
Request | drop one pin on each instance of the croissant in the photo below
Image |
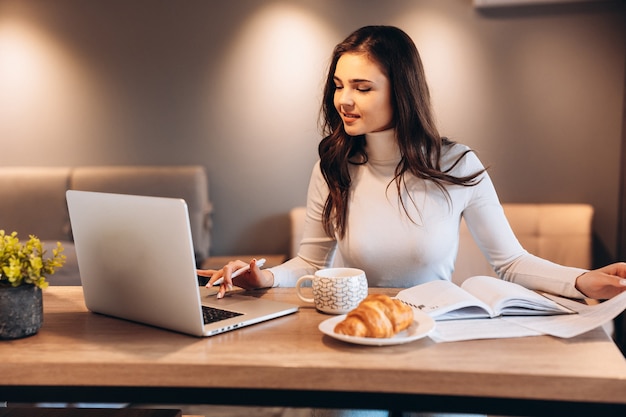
378	315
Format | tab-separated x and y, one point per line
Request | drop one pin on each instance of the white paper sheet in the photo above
589	317
470	329
565	326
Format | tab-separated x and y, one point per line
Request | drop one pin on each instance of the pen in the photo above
259	263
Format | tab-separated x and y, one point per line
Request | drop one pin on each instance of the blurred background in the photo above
537	90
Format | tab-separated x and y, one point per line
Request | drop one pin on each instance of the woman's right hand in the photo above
251	279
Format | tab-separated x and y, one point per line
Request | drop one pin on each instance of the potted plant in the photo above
23	271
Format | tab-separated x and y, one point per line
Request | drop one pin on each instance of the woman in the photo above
388	192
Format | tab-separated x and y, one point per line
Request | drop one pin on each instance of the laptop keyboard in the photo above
212	314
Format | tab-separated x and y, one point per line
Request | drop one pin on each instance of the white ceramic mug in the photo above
335	290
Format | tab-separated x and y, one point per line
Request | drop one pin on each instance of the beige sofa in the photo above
558	232
33	201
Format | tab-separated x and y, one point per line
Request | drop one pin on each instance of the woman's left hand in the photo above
603	283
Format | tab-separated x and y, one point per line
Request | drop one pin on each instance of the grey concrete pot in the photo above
21	311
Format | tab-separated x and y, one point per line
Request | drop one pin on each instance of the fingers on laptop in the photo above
225	275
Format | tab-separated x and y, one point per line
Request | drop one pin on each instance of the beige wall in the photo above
235	85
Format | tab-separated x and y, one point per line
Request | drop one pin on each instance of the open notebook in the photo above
136	262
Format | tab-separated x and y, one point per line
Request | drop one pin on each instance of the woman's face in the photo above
362	95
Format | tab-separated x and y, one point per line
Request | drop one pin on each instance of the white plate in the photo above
422	325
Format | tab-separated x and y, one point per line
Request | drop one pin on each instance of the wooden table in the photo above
80	356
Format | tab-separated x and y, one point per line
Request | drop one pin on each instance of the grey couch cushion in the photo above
33	202
68	274
186	182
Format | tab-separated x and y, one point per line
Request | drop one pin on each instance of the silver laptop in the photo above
136	261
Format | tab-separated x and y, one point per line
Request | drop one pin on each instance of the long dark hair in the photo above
416	133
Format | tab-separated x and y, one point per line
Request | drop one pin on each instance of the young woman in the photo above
388	192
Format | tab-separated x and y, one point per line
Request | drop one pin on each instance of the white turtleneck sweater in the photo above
397	251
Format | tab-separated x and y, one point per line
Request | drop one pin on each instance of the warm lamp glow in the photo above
21	66
274	70
456	71
42	86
